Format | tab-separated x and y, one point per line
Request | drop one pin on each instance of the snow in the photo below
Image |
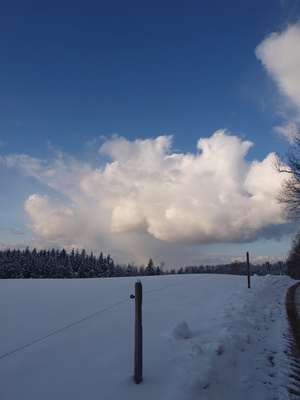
205	337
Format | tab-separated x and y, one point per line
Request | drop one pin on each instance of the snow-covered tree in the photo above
150	269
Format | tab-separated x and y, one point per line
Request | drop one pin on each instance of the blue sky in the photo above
146	128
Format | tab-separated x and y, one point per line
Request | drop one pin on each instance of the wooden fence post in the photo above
280	267
138	350
248	269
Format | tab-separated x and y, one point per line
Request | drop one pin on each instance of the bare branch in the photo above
289	195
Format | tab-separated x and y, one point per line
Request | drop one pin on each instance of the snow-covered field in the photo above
205	337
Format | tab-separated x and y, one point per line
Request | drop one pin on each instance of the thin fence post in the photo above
280	266
268	267
248	269
138	350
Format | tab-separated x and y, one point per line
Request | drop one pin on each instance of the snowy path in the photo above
205	337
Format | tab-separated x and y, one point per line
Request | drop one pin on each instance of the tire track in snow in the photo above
293	351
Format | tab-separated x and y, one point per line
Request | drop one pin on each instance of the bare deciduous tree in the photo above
289	195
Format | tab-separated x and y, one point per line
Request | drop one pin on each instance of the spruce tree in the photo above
150	269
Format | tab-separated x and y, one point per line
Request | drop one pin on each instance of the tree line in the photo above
237	268
26	264
60	264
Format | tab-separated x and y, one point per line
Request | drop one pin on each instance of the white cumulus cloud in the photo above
280	55
147	195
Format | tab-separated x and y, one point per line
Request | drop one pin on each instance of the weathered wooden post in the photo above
280	267
248	269
138	350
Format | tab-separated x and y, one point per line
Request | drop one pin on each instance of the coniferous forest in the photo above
60	264
26	264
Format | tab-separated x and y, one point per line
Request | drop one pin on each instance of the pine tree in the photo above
293	260
150	268
110	267
100	264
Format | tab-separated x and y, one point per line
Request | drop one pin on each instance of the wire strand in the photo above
62	329
175	284
90	316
